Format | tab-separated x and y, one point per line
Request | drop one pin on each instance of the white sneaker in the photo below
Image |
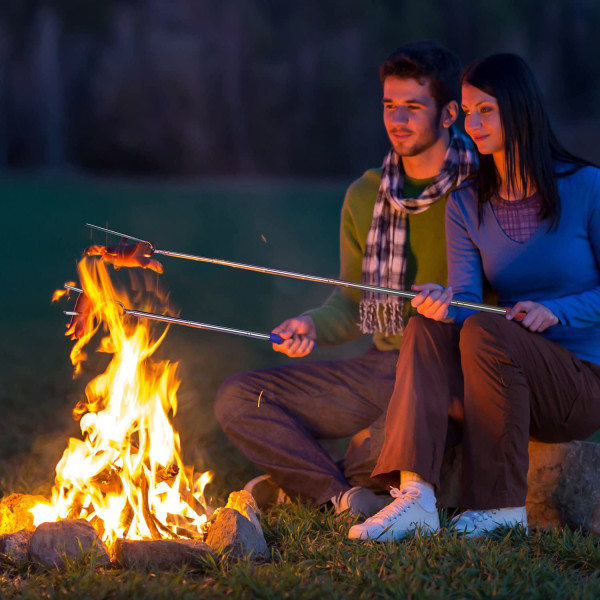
266	492
360	501
404	515
479	522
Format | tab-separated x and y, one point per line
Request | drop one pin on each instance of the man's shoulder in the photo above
367	185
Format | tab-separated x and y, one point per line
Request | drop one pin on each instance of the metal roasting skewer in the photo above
293	275
269	337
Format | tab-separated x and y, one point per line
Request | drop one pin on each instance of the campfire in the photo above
125	476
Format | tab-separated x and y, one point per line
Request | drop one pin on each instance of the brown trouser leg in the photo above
516	384
426	406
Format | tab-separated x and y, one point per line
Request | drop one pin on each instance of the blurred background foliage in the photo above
255	87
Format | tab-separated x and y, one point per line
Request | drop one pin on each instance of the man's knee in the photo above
230	397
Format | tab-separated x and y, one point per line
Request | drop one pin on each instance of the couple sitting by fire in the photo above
521	213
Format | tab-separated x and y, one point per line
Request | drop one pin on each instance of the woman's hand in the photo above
538	317
433	300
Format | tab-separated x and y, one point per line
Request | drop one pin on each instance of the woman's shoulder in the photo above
465	195
462	206
578	175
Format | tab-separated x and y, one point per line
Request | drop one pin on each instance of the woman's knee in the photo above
421	329
483	329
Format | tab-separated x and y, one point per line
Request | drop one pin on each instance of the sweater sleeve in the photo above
583	310
465	272
336	321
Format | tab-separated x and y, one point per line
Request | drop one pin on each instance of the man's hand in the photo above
299	335
433	300
538	317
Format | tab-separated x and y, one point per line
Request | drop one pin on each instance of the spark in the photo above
259	397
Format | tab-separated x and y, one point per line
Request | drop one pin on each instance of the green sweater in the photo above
337	320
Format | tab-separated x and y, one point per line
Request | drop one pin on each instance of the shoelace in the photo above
477	515
403	500
480	515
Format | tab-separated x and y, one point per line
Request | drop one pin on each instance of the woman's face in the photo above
482	120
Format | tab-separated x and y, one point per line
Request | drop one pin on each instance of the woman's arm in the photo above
465	271
583	310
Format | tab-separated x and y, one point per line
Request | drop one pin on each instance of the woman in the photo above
529	222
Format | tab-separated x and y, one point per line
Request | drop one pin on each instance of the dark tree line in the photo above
255	86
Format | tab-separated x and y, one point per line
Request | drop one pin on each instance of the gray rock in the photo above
232	532
51	543
14	545
160	554
563	484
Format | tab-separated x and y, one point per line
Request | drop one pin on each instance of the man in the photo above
391	235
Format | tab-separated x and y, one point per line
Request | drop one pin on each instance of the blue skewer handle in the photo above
276	339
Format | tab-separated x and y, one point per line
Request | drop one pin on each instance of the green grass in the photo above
310	557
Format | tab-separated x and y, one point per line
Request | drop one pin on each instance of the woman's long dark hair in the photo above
531	148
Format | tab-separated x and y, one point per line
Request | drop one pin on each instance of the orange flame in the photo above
58	294
126	475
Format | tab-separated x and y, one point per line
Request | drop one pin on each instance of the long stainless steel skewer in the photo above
293	275
269	337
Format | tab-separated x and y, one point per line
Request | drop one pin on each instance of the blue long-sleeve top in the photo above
559	268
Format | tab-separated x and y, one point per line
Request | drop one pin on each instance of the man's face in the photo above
410	115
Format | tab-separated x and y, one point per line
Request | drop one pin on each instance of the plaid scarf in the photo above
384	261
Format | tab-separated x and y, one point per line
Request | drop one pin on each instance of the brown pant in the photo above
496	383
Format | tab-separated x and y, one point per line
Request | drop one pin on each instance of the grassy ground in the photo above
283	225
310	558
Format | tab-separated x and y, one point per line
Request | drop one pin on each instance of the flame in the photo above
126	476
58	294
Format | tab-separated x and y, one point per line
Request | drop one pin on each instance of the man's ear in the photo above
449	114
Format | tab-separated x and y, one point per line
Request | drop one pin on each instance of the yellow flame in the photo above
126	476
58	294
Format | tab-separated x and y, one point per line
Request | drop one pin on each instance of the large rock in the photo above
563	484
160	554
14	545
52	543
15	512
232	532
244	502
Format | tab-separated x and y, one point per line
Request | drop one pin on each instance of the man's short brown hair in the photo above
426	60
